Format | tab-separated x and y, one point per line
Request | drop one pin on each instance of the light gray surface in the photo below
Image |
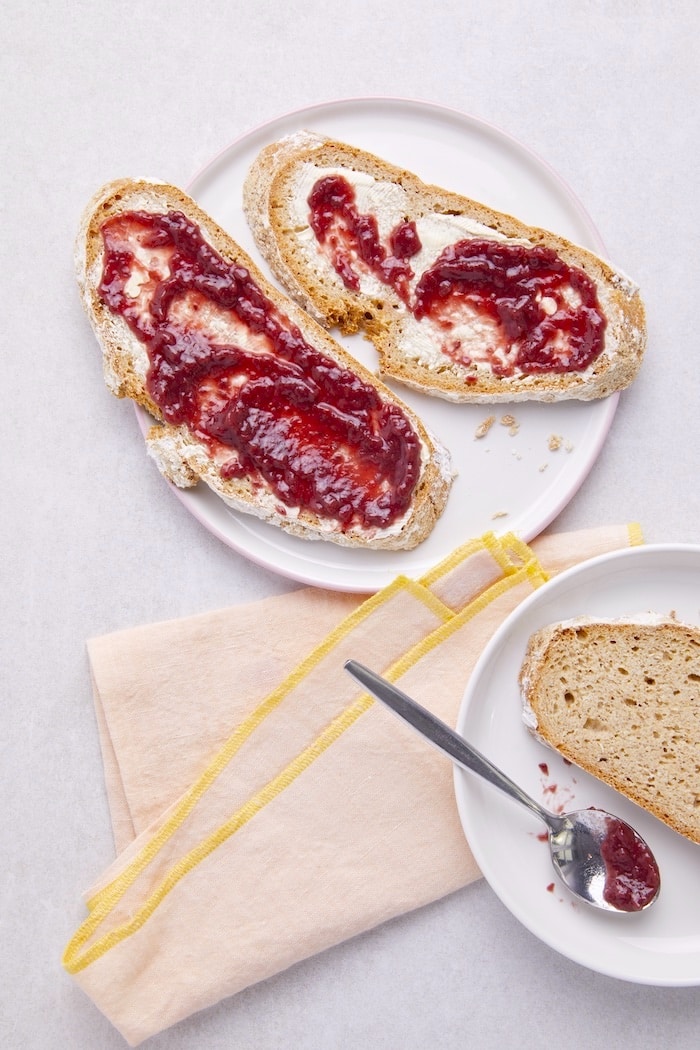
92	541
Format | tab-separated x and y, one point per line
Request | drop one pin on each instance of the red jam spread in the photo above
542	315
227	363
631	876
348	234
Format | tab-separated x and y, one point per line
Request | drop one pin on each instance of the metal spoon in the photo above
601	859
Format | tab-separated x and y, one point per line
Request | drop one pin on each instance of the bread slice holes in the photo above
594	724
569	697
692	677
623	670
649	680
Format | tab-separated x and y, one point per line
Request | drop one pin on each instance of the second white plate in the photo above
660	946
507	480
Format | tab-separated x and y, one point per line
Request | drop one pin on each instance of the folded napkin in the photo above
265	809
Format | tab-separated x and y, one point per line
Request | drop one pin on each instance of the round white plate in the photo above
661	946
505	482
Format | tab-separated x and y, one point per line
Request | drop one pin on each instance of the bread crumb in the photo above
556	441
543	467
499	514
512	424
484	427
514	452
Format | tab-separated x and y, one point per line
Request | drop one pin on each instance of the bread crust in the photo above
268	204
620	698
181	457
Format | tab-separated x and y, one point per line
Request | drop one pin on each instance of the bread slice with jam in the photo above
620	698
248	394
460	301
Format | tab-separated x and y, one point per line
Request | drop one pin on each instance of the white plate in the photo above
661	946
514	476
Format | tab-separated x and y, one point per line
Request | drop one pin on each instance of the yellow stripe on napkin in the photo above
105	901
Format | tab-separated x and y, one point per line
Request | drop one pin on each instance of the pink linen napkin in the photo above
265	809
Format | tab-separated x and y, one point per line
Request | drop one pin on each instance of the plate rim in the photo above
655	552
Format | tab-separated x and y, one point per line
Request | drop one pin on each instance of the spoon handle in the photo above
441	736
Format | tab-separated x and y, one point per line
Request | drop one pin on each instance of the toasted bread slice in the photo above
621	699
576	331
248	394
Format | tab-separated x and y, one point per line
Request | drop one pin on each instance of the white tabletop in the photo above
93	541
